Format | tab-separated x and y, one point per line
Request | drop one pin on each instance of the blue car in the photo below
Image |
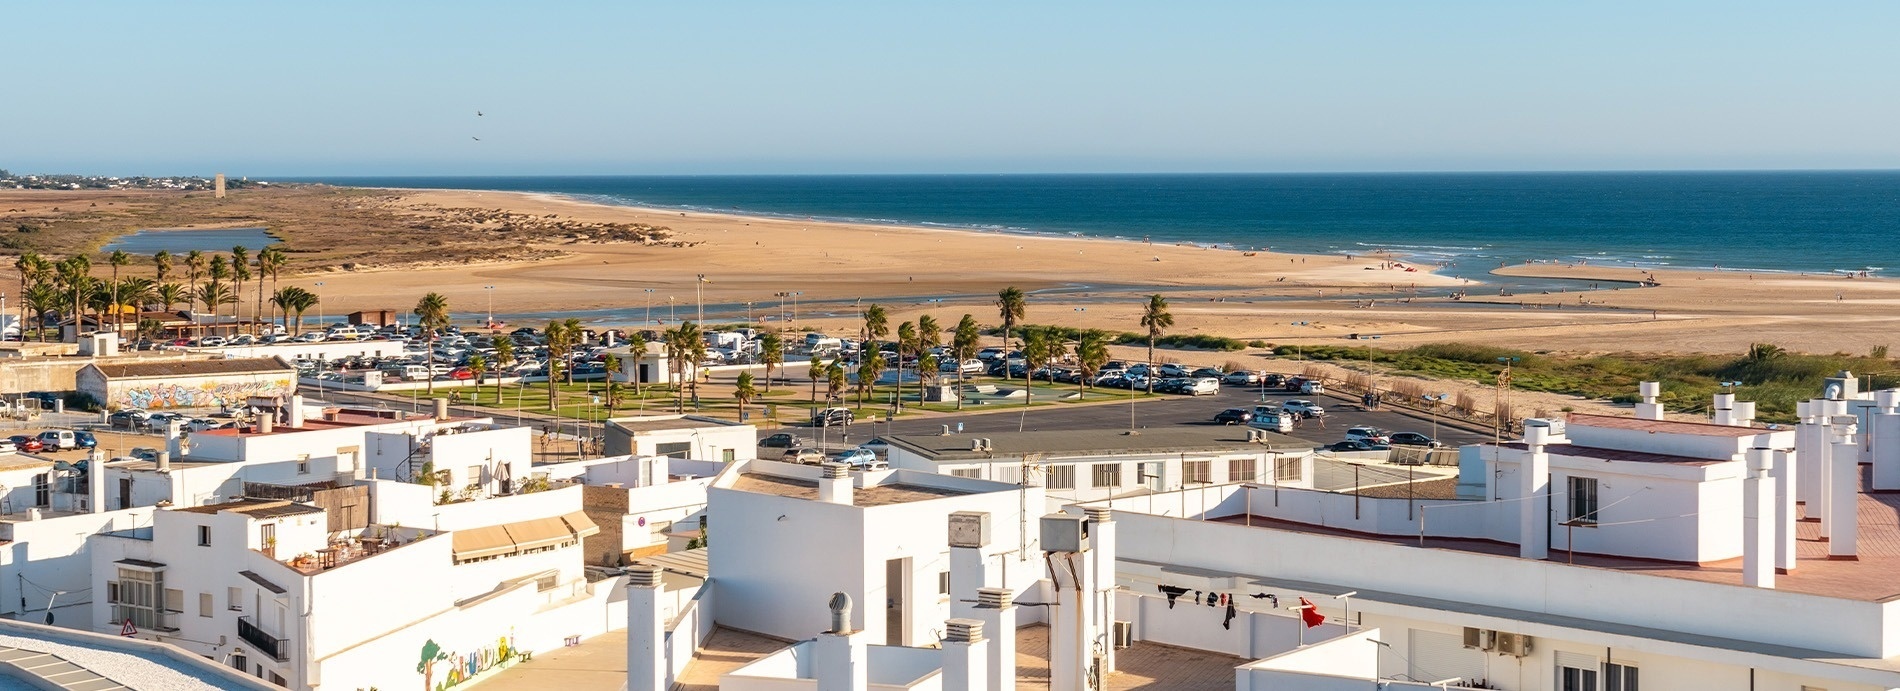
85	440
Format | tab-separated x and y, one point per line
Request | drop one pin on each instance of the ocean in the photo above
1466	222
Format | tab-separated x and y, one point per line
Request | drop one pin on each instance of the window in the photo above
206	603
112	592
1242	470
1106	475
1583	500
1619	677
1576	672
967	472
474	476
728	455
204	536
234	599
137	597
943	582
42	490
174	601
1196	472
1289	469
681	450
240	663
303	464
1061	477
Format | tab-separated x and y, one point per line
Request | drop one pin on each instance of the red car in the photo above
26	443
462	374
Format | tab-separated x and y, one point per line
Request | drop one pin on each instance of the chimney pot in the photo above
643	576
994	598
963	631
164	461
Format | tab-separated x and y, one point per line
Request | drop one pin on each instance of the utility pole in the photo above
1497	401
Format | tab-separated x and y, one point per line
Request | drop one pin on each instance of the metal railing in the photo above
276	648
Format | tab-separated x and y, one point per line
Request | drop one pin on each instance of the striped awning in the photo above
539	533
581	524
475	543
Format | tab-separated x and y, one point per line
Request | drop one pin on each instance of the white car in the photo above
1303	407
1370	435
312	337
1204	386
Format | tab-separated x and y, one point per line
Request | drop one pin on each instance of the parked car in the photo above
831	417
1355	445
1234	416
85	440
1174	370
1202	386
805	455
1272	420
782	440
1370	435
1413	439
1207	372
1302	407
7	446
1241	378
25	443
131	418
1272	380
861	459
877	445
58	439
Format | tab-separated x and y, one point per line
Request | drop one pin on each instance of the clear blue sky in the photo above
338	88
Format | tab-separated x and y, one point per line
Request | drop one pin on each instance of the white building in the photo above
154	384
1087	465
690	437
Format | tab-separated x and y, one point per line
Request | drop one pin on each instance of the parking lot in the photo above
1340	415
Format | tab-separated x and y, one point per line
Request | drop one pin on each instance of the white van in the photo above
1271	419
344	333
415	373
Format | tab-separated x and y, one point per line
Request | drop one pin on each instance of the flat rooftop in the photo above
258	508
1619	454
661	425
1094	442
342	419
1872	578
1706	429
877	495
19	461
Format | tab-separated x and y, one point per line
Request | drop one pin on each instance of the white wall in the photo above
53	554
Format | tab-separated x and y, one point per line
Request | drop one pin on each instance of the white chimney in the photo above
1883	440
1808	438
441	409
965	665
841	657
969	570
1843	495
96	481
1533	485
834	484
164	461
1744	413
1102	577
266	424
1758	520
646	631
1649	409
1785	509
996	608
174	434
1724	409
294	419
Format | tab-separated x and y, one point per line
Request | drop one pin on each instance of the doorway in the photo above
896	575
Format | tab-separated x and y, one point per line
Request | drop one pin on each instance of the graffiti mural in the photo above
459	667
200	395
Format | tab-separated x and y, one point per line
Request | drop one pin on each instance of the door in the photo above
125	493
267	539
1151	475
895	572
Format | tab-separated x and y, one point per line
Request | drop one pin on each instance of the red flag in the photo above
1310	614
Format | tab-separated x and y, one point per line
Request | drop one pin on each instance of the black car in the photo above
1174	385
782	440
1234	416
1207	372
830	417
1414	439
1272	380
1356	445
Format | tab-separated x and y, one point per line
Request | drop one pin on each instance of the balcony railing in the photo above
277	648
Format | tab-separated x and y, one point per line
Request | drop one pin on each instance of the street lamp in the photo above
320	320
649	305
49	606
669	310
491	305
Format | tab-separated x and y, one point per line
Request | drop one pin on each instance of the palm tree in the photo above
194	265
744	392
693	345
815	370
305	301
877	324
834	380
677	350
1156	319
213	294
870	364
772	355
504	360
637	347
1038	349
170	294
240	273
219	270
963	344
75	273
1091	353
432	312
1011	305
162	261
117	259
270	260
136	292
33	270
42	297
907	344
571	330
478	365
560	342
284	299
150	329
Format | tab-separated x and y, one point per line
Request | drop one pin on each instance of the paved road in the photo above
1170	410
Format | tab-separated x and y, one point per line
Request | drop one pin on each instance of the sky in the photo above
706	87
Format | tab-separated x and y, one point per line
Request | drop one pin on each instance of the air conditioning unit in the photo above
1479	639
1063	532
1124	634
1513	644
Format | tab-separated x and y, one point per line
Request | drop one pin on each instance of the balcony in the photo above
277	648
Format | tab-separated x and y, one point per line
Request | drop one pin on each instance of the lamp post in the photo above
669	310
491	305
699	297
649	319
49	606
320	320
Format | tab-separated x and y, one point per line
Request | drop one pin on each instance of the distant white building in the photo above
689	437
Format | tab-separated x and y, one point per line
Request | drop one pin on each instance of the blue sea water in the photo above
180	241
1470	222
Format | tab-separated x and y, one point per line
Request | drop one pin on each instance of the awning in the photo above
260	580
538	533
475	543
581	524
